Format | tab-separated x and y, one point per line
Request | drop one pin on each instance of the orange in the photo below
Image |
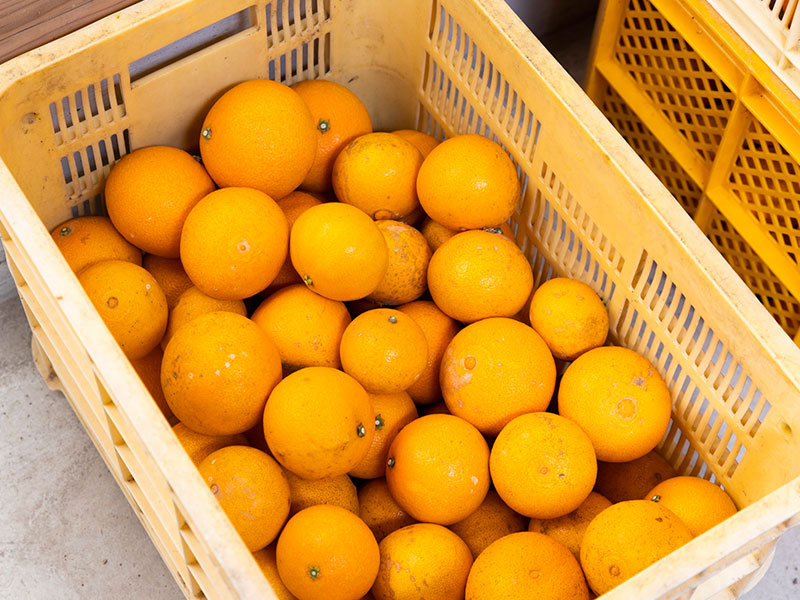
234	242
259	134
191	304
149	194
570	528
438	469
491	359
422	561
543	465
380	511
338	251
627	538
392	413
84	241
526	565
198	445
327	553
438	329
252	490
406	276
293	205
619	399
340	117
414	217
217	372
318	422
385	350
377	173
632	480
338	490
435	233
306	327
148	368
437	408
468	182
569	316
492	520
269	566
503	228
423	142
478	274
700	504
130	302
170	276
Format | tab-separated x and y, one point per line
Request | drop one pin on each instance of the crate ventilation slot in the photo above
87	110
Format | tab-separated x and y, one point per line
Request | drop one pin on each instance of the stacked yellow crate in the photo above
718	121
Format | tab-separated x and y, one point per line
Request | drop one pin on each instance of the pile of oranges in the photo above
347	339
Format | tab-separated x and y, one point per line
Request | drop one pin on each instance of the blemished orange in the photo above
199	445
150	192
234	242
700	504
478	274
632	480
570	528
570	317
259	134
379	510
526	565
252	490
406	277
392	413
293	205
191	304
543	465
318	422
170	276
266	560
327	553
438	469
307	328
339	491
435	233
625	539
130	302
491	359
619	399
422	561
439	329
339	117
377	174
468	182
423	142
148	368
217	372
385	350
338	251
84	241
492	520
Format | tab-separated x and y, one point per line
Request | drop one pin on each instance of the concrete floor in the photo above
66	530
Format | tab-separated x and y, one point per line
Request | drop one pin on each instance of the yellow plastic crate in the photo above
589	209
718	122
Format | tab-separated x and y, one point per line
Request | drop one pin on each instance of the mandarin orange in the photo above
259	134
217	372
438	469
339	117
84	241
149	194
234	242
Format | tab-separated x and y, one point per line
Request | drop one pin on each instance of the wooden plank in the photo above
27	24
